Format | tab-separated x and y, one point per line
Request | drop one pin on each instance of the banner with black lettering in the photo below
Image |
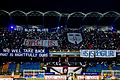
37	42
24	52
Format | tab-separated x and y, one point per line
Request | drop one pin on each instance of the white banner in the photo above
75	38
64	77
98	53
6	78
44	43
106	53
92	77
70	69
55	77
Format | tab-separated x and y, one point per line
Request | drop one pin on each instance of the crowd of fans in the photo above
101	40
91	39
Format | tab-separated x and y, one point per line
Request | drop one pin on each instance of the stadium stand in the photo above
29	66
94	31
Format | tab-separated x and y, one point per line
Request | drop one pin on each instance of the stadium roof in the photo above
52	19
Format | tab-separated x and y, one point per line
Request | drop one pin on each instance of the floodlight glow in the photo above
11	27
58	27
112	28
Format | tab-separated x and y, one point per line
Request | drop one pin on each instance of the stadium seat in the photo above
29	66
97	68
116	67
12	67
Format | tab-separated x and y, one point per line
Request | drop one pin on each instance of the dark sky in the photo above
61	5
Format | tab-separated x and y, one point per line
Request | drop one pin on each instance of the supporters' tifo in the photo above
59	46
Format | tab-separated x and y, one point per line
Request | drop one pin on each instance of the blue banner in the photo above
21	28
118	54
50	73
24	52
91	73
98	53
35	75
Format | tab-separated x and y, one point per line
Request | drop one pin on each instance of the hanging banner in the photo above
37	42
74	38
24	52
98	53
